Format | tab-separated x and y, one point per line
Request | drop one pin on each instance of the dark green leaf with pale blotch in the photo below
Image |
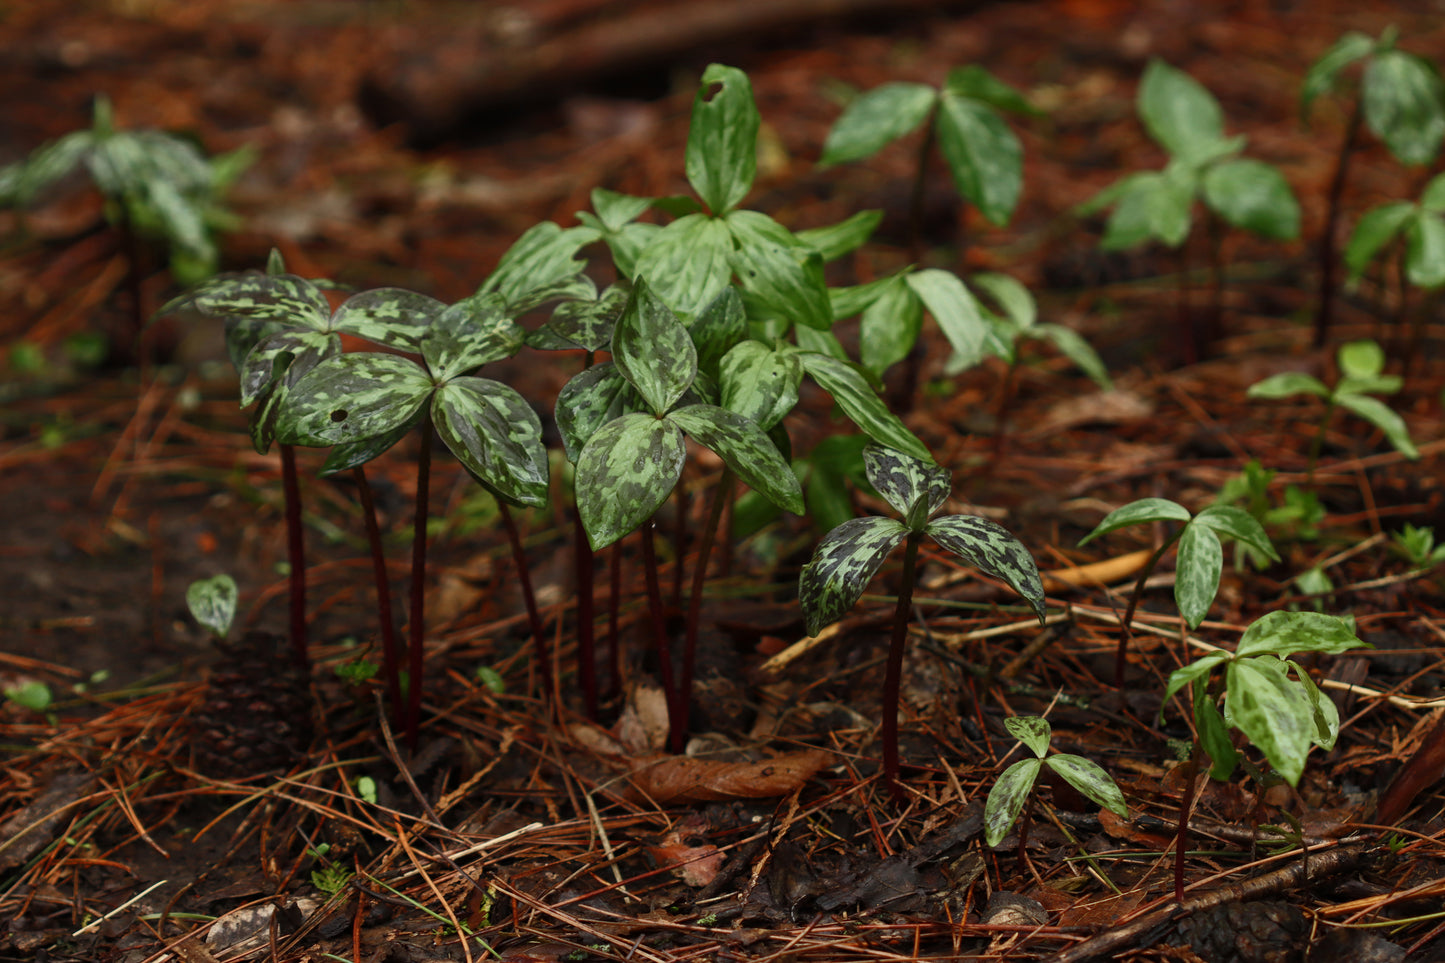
861	403
1253	195
394	317
271	357
577	287
835	240
785	274
541	257
616	210
588	324
1033	731
1404	105
588	401
352	454
760	383
1287	384
1239	525
1213	734
1380	415
627	469
1196	672
469	334
1178	112
688	262
242	337
876	118
984	156
1286	633
717	329
1197	571
1425	251
1137	512
496	436
989	547
890	324
653	350
212	602
1376	228
903	480
842	565
1007	798
354	396
262	297
1323	73
309	350
1272	711
722	154
1090	779
956	312
626	244
744	448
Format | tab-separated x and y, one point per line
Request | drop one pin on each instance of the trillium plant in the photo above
848	557
1009	795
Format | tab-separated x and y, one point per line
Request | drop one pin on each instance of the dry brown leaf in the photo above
668	780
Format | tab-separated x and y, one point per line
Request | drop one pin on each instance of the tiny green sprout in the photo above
33	695
357	671
212	602
1361	365
365	788
1297	516
1417	546
492	679
1009	794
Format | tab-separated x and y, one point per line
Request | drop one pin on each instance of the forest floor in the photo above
409	144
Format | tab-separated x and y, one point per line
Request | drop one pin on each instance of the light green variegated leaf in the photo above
541	258
835	240
842	566
615	210
588	324
989	547
861	403
956	312
627	469
469	334
1326	716
496	435
352	454
984	157
354	396
1285	633
1033	731
890	324
903	480
1286	385
1014	300
1196	672
1007	798
772	264
653	350
1380	415
876	118
1138	512
848	301
1197	571
1404	105
50	163
820	342
242	337
720	326
290	370
1090	779
743	446
212	602
1274	712
976	83
578	287
1239	525
394	317
1213	734
760	383
266	362
588	401
262	297
722	155
1253	195
688	262
1153	207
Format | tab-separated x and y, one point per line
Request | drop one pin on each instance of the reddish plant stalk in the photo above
1186	804
524	579
677	732
893	679
614	602
295	555
586	638
417	613
390	646
1325	313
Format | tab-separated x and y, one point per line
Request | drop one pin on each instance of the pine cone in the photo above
1259	932
257	714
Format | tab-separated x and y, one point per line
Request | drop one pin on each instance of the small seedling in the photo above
1010	793
1361	365
847	558
1417	546
212	602
1296	516
33	695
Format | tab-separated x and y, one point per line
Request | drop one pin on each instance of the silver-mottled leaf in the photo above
688	262
627	469
1197	570
1090	779
760	383
212	602
989	547
745	449
588	324
469	334
902	479
541	258
394	317
842	565
352	397
352	454
496	435
265	297
272	356
653	350
588	401
784	273
1007	798
717	329
1033	731
1272	710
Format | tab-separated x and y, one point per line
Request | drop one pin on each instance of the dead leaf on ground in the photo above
674	780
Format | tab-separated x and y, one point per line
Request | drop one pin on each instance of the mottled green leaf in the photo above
989	547
722	153
354	396
984	156
588	324
49	164
1214	735
1033	731
616	210
1326	716
469	334
348	455
496	435
1178	112
903	480
1137	512
1239	525
861	404
848	301
1253	195
627	469
1154	207
956	312
842	566
1197	571
1090	779
719	327
760	383
875	118
539	259
835	240
1323	73
394	317
1404	105
1272	711
1285	633
890	324
784	274
1007	798
212	602
688	262
1015	301
743	446
262	297
588	401
1196	672
653	350
275	354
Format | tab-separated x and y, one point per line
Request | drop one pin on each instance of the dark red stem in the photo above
295	555
586	636
390	646
720	497
1127	625
524	579
417	614
614	603
1325	313
894	676
1181	834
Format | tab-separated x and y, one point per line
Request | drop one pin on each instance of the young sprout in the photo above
1010	793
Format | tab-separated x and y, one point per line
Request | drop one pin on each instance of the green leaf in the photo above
1033	731
469	334
354	396
50	163
1253	195
1380	415
848	301
1425	251
542	257
1324	72
286	298
743	446
1285	633
1013	298
1376	228
351	454
956	312
1361	359
820	342
1072	345
903	480
861	404
1196	672
760	383
1237	524
269	360
1214	735
890	324
1197	570
1326	716
496	436
875	118
1272	711
1288	384
835	240
842	565
1138	512
588	401
834	462
722	153
627	469
1007	798
989	547
615	210
976	83
720	327
1090	779
984	156
1404	105
1178	112
1153	207
1432	198
785	274
588	324
212	602
652	349
688	262
391	316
